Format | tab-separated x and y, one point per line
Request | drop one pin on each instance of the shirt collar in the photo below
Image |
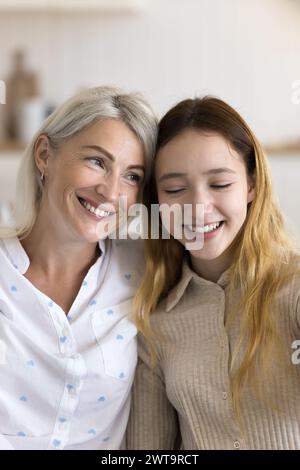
187	276
16	254
19	258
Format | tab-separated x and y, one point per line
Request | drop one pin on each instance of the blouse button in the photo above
71	389
62	426
224	394
237	445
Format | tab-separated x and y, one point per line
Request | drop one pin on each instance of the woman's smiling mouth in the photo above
207	231
93	210
206	228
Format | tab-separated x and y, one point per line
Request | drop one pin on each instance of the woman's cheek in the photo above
235	206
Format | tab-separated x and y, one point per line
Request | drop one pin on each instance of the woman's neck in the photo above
55	255
211	269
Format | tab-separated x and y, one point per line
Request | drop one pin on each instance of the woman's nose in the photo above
110	188
204	199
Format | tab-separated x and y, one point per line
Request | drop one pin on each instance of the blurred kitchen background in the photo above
246	52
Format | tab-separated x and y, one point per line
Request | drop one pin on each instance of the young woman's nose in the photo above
203	198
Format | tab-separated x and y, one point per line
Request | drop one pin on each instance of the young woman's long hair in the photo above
76	114
260	264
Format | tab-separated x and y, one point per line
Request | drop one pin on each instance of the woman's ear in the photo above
41	153
251	188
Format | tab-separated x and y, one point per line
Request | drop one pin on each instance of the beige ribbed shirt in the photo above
186	401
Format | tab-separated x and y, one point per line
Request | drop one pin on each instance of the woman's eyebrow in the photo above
217	171
168	176
136	167
100	149
213	171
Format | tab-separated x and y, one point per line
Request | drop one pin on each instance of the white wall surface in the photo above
245	51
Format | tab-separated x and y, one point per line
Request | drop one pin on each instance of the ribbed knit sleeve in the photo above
153	420
298	309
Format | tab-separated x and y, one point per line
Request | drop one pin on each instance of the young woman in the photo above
219	321
67	345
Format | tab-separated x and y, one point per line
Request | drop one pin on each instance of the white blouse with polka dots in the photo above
65	380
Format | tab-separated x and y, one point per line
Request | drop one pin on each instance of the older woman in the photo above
68	347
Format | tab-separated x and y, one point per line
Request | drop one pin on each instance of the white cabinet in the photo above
9	165
70	5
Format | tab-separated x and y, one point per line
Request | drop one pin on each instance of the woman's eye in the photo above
134	178
221	186
173	191
97	161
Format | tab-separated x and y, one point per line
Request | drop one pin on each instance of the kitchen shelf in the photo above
11	146
70	5
288	148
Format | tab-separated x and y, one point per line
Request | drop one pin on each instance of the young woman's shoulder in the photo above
294	266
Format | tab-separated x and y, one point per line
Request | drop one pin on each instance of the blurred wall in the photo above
245	51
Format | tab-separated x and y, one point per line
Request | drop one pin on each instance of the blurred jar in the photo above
25	109
30	114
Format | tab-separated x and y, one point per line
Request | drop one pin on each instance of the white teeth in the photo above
205	229
94	210
101	213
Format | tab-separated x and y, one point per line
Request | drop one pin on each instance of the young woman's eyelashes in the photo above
217	187
221	186
174	191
